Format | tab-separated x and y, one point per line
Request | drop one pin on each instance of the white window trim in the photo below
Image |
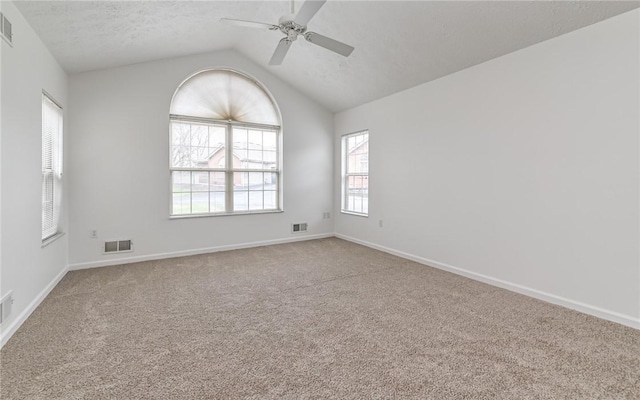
345	175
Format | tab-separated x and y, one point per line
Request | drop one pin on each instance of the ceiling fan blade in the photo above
281	51
249	24
308	10
328	43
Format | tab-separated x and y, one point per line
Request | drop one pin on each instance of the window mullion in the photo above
228	163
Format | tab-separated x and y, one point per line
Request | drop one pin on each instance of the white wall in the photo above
119	159
522	171
27	269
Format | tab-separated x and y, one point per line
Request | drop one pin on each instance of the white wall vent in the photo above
299	227
6	30
118	246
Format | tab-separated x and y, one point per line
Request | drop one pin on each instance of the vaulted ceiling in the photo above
398	44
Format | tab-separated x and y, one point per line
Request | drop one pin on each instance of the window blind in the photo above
51	167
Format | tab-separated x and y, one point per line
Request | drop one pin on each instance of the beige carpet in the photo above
318	319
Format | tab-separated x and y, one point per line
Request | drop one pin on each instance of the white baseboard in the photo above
613	316
6	334
183	253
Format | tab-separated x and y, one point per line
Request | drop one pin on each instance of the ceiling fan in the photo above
293	26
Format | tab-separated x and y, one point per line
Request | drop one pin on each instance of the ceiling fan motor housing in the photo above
290	28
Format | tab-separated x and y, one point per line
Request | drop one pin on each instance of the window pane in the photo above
269	140
255	139
353	161
270	200
199	157
357	202
180	157
199	135
181	203
256	180
240	181
270	181
180	134
270	159
255	157
200	202
351	182
217	181
217	202
216	136
363	163
240	201
199	181
181	181
255	200
240	158
180	145
239	138
351	143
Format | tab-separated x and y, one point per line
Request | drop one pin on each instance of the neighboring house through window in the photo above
51	167
355	173
225	146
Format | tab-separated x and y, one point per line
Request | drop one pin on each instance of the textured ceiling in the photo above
399	44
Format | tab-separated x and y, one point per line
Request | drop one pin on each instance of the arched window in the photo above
225	146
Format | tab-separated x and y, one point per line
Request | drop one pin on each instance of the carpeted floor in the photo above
318	319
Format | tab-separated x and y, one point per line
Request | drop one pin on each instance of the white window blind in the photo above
51	167
355	173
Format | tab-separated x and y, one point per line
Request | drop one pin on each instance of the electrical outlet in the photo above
93	234
380	223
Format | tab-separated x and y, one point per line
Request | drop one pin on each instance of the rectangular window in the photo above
223	167
355	173
51	167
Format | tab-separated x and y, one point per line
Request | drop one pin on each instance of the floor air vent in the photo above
297	228
118	246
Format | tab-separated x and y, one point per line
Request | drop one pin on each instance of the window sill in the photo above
52	239
354	213
224	214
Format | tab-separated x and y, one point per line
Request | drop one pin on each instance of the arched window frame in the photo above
248	179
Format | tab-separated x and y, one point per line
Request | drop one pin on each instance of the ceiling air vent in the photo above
299	227
5	29
118	246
